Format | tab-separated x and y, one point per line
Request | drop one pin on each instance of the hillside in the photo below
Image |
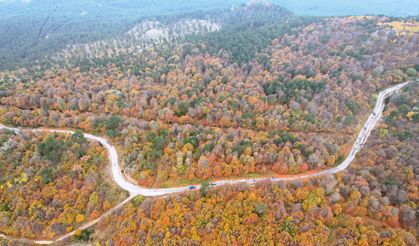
288	99
192	125
372	203
32	30
51	184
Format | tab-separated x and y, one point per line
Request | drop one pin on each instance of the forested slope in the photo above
372	203
51	184
32	30
291	103
189	98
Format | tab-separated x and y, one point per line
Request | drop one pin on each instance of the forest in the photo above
294	107
374	203
192	98
50	184
31	30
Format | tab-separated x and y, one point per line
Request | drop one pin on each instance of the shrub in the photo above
78	137
348	120
85	235
138	200
352	105
204	188
404	135
182	109
260	208
285	137
46	175
411	72
51	149
112	125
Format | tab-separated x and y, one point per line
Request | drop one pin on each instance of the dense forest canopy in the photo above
249	90
52	183
199	93
33	29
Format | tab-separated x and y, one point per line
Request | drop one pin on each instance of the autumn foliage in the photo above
51	184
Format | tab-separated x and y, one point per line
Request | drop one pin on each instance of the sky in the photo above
352	7
299	7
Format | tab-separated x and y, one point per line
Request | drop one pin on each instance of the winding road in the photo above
135	190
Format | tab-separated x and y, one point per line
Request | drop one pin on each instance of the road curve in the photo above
135	190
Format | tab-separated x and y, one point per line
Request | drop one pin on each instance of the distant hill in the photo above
121	8
33	29
137	8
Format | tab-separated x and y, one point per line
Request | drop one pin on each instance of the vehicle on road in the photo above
135	190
